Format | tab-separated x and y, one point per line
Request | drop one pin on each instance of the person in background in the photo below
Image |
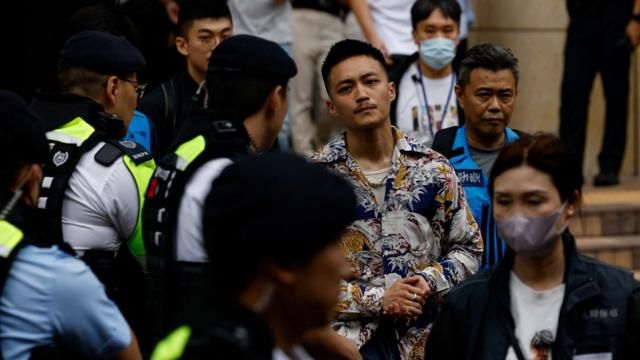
317	24
426	86
202	25
601	37
271	20
387	26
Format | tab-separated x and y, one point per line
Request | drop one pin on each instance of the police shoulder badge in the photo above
60	158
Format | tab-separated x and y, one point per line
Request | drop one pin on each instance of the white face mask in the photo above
531	234
437	52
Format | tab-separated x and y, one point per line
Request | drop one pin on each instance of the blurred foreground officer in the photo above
276	257
51	305
247	91
93	185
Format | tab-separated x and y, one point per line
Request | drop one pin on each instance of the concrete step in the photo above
607	220
622	251
609	211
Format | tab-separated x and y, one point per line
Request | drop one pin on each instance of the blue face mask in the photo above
438	52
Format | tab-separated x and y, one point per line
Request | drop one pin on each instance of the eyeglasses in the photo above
140	87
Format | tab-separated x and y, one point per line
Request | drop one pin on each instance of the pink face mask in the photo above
530	234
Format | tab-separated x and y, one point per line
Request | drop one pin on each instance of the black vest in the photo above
173	284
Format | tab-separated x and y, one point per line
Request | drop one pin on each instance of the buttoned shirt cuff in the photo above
436	280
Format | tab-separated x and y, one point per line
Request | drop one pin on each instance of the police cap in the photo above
101	52
251	54
21	130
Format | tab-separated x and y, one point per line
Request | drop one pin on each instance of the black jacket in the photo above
600	313
168	106
221	328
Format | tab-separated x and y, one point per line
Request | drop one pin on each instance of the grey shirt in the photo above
268	19
484	159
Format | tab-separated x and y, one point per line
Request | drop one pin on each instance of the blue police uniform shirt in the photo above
50	296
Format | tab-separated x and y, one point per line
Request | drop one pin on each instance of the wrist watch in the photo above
635	17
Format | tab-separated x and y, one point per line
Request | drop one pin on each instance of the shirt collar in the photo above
336	149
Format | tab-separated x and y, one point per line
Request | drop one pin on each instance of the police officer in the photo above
48	298
247	103
277	260
93	184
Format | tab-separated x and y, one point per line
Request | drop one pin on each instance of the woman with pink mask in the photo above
544	300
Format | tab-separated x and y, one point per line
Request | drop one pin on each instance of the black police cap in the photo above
101	52
253	55
24	131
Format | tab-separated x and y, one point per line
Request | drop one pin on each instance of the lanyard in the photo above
426	102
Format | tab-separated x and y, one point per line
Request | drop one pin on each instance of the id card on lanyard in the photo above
432	122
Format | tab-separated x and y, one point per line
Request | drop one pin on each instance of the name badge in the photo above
470	178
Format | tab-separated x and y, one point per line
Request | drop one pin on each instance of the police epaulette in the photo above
113	149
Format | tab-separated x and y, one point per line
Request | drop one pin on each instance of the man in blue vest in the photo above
487	89
51	304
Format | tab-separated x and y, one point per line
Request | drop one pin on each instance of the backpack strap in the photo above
57	171
169	95
443	142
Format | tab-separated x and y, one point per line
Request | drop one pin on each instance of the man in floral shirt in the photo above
415	237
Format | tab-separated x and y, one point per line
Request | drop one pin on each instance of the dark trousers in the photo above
596	42
383	345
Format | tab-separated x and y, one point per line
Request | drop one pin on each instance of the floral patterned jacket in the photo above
423	227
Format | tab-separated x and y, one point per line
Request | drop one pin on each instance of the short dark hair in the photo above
546	153
251	216
103	17
82	81
489	57
422	9
346	49
237	95
193	10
